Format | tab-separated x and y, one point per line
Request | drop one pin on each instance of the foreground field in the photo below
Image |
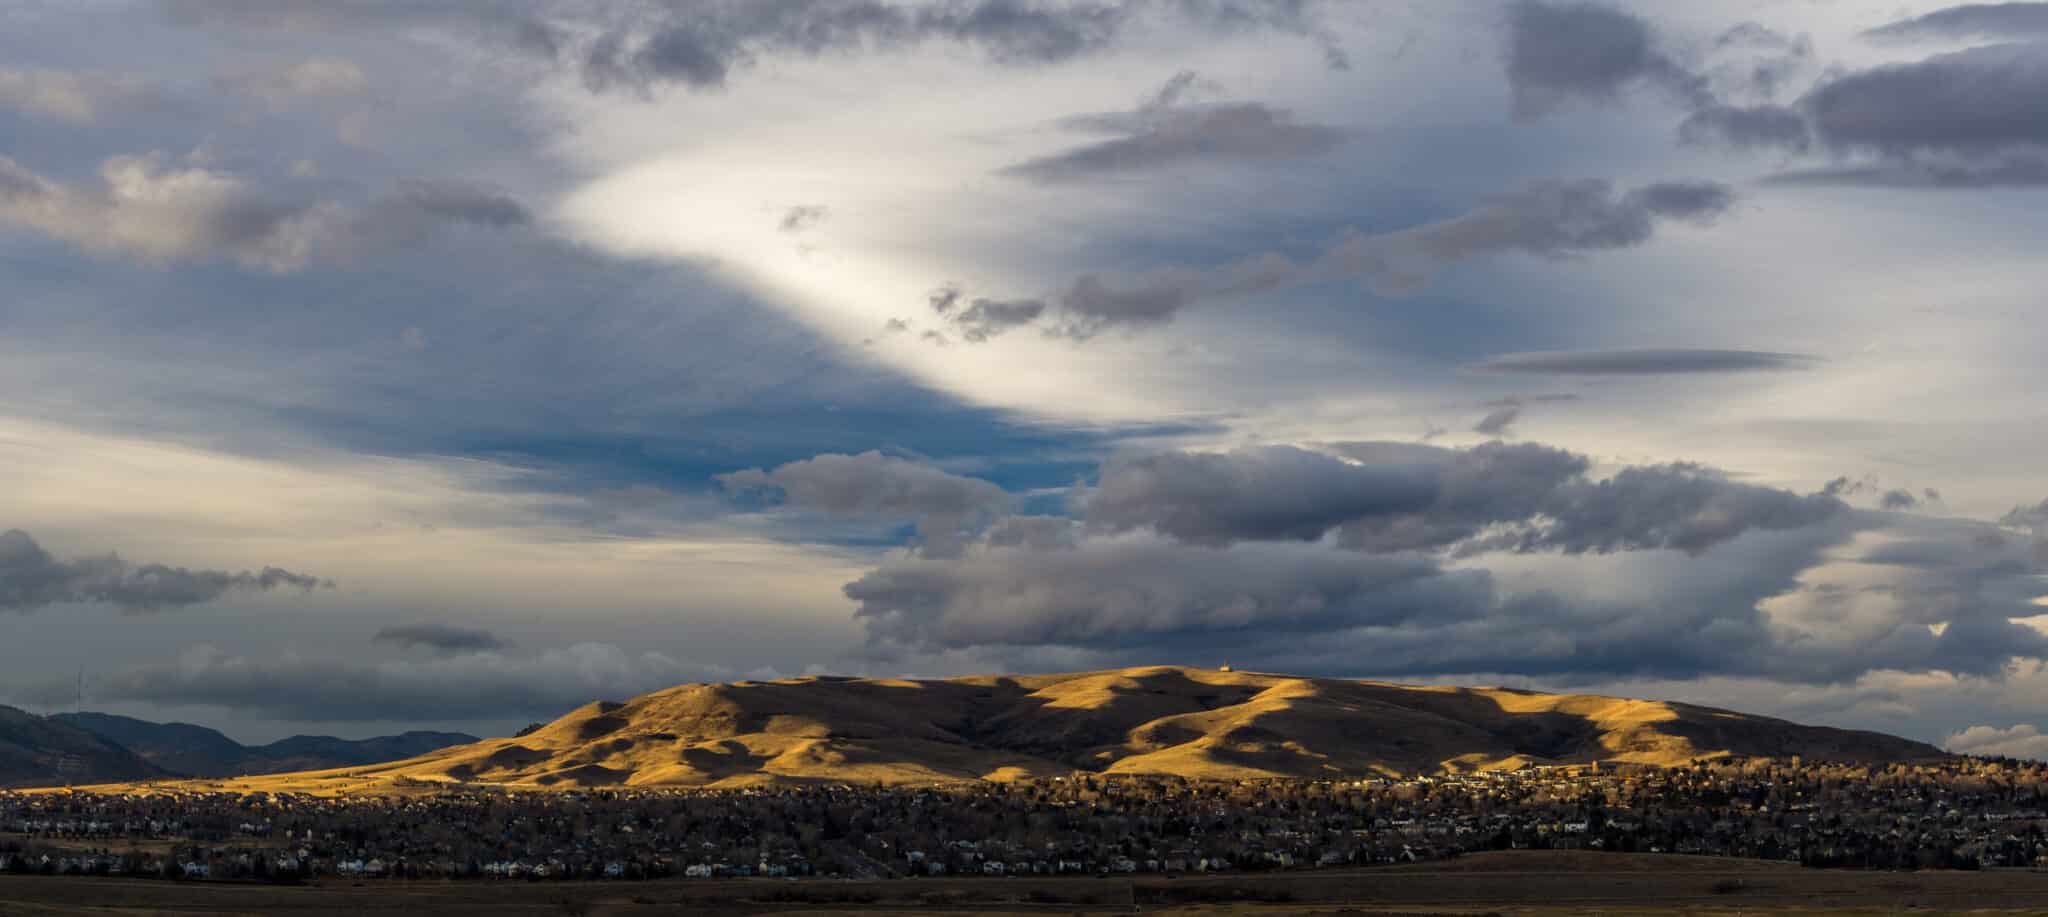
1504	884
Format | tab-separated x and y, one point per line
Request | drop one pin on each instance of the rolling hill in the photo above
1197	723
35	751
197	751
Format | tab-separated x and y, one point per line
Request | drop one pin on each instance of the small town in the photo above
1961	814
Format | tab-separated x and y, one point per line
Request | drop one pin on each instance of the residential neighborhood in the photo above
1959	814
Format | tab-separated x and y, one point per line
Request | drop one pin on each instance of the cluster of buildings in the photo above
1965	813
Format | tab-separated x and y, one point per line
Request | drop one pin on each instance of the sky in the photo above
379	365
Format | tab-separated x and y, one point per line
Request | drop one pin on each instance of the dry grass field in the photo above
1190	722
1504	884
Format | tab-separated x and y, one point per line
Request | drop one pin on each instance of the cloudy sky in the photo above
378	364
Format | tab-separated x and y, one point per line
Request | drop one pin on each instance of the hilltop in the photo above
1197	723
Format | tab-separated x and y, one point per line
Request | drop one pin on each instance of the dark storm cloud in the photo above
1396	497
1552	219
31	579
1558	53
1974	20
1311	607
440	638
1117	591
1319	607
1643	362
483	685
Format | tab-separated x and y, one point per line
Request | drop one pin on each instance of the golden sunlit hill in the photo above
1198	723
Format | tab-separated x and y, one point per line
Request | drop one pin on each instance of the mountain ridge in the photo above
38	751
1163	720
186	749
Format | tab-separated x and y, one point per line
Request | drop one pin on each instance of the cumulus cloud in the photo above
1559	53
78	98
1551	219
477	685
440	638
1828	602
2021	741
1642	362
1974	20
877	485
32	579
159	212
1167	132
1384	497
1263	493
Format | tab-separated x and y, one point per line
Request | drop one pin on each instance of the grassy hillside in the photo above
1159	720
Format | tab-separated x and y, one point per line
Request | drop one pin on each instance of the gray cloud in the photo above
479	685
1289	606
147	207
460	201
440	638
1553	219
1272	492
1116	591
1164	133
1566	52
2015	170
1680	506
1897	499
981	319
1642	362
700	49
1747	128
1397	496
1980	100
873	484
31	579
1498	420
1975	20
801	217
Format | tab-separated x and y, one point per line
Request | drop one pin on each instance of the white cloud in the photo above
2021	741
